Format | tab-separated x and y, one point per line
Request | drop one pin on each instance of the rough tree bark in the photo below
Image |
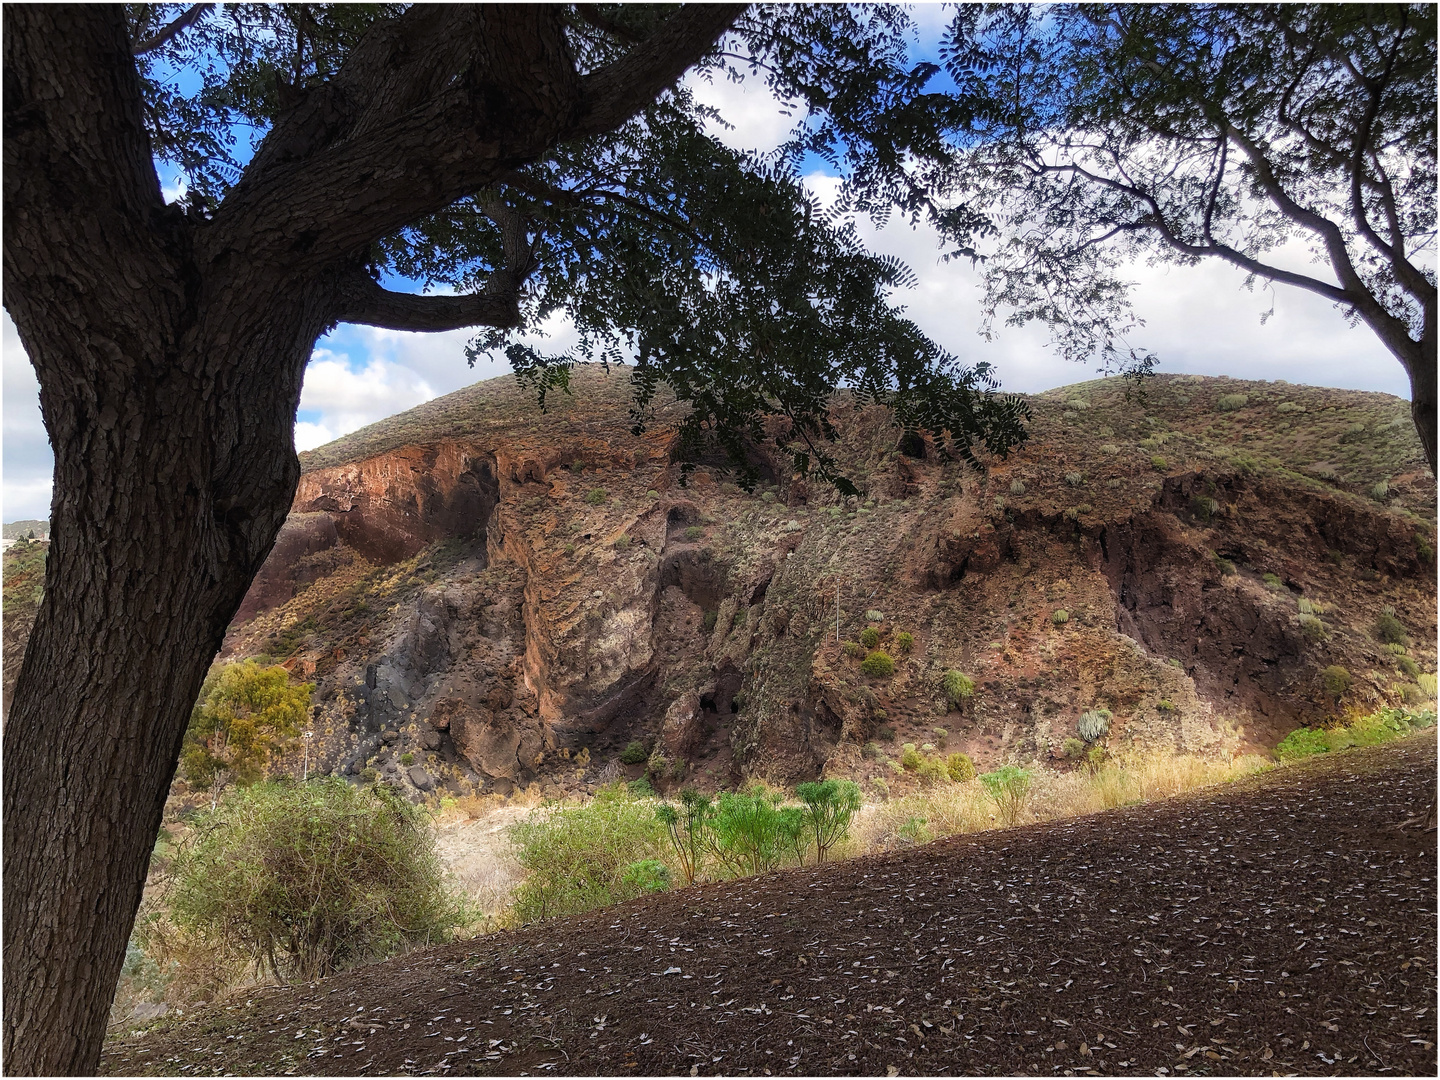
170	351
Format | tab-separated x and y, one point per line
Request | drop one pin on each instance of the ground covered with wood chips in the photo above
1277	925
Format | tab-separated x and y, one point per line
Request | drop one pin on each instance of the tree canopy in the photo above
713	271
1107	134
245	714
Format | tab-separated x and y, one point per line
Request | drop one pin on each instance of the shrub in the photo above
878	665
310	878
1109	449
767	496
646	876
1009	789
1335	681
635	753
960	768
830	807
1426	682
1231	402
1305	606
941	735
1204	508
1408	666
1390	630
874	616
869	637
959	687
931	770
909	757
1300	743
751	833
569	549
1017	487
905	641
694	532
871	751
885	732
1380	492
915	830
641	788
622	543
1074	479
1312	627
1272	581
1396	650
407	758
1060	617
1158	463
1289	406
1094	724
577	857
246	713
1165	705
1225	566
1072	748
853	649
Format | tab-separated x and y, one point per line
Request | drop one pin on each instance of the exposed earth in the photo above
1281	924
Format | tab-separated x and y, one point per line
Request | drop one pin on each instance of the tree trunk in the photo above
174	469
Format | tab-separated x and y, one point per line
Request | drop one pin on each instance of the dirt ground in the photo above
1277	925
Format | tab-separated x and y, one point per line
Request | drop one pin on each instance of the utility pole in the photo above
306	774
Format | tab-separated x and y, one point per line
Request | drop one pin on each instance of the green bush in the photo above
1225	566
931	770
905	641
871	751
878	665
752	833
830	807
1408	666
1158	463
1335	681
1426	682
694	532
246	713
635	753
941	735
1305	606
853	649
909	757
407	758
1072	748
869	637
646	876
1272	581
886	732
1009	789
1060	617
641	788
1390	630
1231	402
915	830
596	496
960	768
577	857
1380	492
1074	479
1300	743
310	878
622	542
1165	705
874	616
1094	724
1017	487
1312	627
959	687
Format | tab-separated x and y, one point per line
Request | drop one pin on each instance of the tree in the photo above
308	878
830	806
536	158
1183	132
245	712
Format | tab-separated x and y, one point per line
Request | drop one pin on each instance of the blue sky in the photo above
1199	319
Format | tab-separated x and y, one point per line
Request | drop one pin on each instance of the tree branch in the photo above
592	14
363	301
165	33
614	93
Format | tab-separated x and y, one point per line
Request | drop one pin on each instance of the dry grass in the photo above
949	809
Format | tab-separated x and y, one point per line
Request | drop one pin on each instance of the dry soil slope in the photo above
1276	925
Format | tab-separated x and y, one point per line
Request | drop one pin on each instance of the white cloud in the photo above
28	463
1198	319
349	396
753	112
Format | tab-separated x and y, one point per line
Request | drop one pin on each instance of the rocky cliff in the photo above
487	594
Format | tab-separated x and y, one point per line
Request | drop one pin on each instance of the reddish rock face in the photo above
389	507
510	590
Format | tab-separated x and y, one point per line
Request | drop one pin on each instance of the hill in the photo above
17	530
1272	926
496	591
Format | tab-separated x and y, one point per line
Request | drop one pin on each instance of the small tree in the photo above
306	879
830	806
959	688
1335	680
245	713
753	833
1009	789
687	827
